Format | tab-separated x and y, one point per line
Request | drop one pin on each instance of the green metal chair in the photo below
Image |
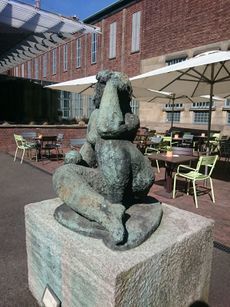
197	174
154	148
23	145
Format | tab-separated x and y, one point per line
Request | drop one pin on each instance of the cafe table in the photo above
171	163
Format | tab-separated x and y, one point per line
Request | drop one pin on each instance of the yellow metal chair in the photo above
154	148
23	145
197	174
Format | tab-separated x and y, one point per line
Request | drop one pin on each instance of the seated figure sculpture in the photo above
104	192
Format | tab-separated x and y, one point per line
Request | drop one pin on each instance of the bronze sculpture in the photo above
106	189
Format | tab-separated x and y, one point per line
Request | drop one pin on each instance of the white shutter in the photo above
112	40
136	24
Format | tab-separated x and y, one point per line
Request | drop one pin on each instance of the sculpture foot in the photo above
113	221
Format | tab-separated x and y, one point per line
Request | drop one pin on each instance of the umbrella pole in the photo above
210	109
172	118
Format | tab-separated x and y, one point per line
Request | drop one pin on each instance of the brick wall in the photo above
166	27
7	142
170	26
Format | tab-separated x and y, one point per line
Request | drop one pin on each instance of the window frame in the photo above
176	116
54	61
175	60
136	32
29	72
65	57
44	65
93	48
112	40
36	68
201	113
78	52
135	106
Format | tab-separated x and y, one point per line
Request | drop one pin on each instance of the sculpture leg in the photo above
71	185
114	164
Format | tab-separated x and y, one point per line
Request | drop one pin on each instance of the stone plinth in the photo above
172	268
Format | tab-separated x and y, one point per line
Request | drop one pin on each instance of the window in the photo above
134	104
94	48
77	105
22	71
36	68
228	118
201	117
16	71
44	65
173	116
227	103
91	106
201	105
65	104
29	69
78	52
65	58
176	60
54	61
112	40
136	24
169	106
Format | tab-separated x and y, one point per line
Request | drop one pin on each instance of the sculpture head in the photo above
122	83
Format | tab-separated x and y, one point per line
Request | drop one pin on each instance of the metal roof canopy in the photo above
26	32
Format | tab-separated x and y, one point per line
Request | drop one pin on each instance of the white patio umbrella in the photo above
168	96
208	73
82	85
86	86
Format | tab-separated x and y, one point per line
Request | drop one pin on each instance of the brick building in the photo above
138	36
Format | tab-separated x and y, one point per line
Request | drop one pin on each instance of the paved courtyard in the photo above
23	184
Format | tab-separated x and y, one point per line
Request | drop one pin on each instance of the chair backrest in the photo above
166	141
187	139
19	139
29	134
60	137
215	136
224	147
156	139
208	161
47	141
183	151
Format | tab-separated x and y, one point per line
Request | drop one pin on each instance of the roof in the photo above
111	9
26	32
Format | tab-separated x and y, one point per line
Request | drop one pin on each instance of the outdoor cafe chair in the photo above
154	148
187	140
202	172
47	145
25	146
29	135
59	143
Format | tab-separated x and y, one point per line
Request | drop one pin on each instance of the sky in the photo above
80	8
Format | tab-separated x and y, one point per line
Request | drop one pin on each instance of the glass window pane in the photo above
173	115
78	52
201	117
94	48
134	104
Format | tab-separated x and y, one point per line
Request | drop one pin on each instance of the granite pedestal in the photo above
172	268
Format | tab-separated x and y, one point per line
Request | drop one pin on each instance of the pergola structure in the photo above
27	31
